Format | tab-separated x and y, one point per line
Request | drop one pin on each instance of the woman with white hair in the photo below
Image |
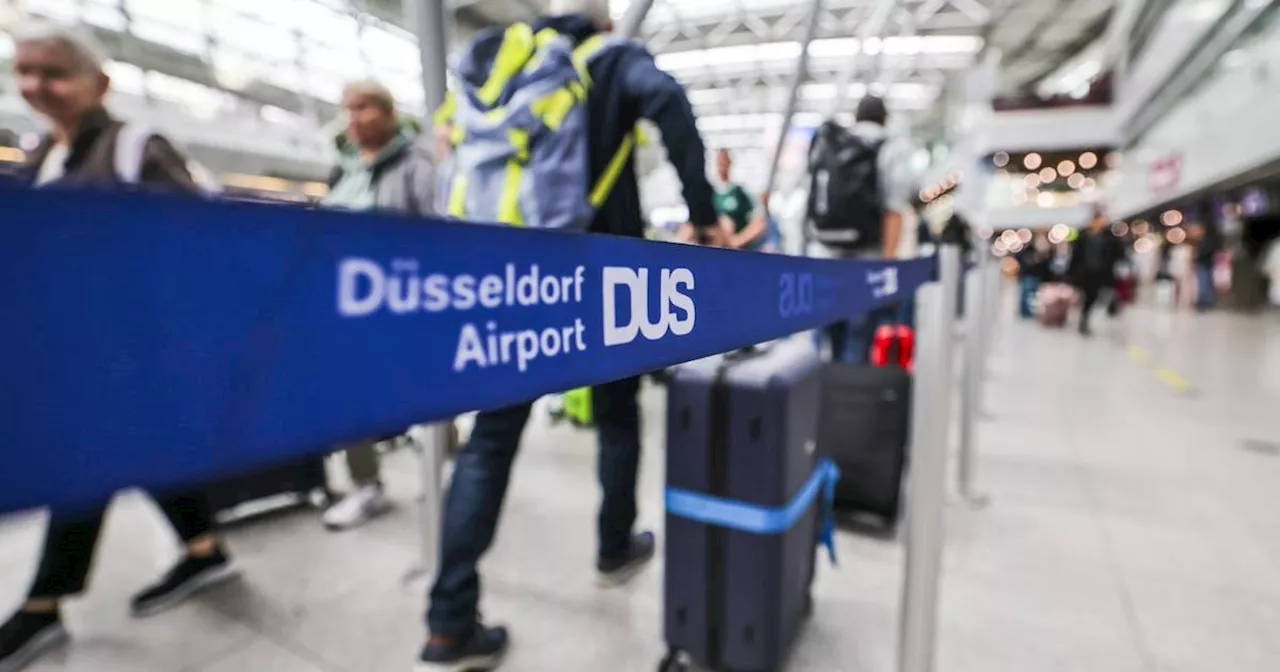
59	73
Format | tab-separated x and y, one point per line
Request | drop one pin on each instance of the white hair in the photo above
369	88
89	54
596	10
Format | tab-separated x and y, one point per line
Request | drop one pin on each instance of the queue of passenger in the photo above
384	165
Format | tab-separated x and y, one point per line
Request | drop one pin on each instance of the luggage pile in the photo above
765	446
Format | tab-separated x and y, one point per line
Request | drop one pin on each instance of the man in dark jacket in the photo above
626	86
1093	264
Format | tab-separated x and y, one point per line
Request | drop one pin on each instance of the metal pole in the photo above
995	287
430	21
802	71
634	18
927	489
977	313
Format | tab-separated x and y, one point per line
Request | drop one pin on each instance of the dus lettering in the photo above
674	285
795	295
883	283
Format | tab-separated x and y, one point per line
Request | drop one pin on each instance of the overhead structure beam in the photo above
872	27
1032	38
689	30
633	19
802	72
1093	32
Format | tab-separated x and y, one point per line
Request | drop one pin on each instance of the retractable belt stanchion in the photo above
433	442
930	424
977	332
431	23
995	290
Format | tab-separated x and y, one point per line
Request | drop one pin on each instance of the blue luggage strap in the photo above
765	520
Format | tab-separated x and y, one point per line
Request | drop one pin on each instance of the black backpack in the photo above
845	204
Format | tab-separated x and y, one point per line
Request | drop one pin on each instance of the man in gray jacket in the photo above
380	167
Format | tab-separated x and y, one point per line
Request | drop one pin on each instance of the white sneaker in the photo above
356	508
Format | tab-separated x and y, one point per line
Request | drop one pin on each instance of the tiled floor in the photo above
1130	530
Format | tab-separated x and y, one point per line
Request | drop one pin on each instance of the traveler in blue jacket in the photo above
626	86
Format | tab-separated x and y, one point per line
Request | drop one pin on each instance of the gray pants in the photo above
363	463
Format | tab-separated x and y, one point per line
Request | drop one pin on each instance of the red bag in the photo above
1124	290
894	345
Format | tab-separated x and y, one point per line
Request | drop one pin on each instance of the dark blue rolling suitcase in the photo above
741	433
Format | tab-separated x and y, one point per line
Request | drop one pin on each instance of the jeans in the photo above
71	540
1026	292
1205	294
479	486
851	339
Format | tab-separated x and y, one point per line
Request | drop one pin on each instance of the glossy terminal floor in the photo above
1134	527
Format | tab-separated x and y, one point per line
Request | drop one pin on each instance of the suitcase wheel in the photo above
673	662
319	498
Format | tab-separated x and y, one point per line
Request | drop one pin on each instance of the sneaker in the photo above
618	572
483	649
187	578
356	508
26	636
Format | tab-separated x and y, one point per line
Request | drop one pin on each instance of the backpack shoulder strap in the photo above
130	151
590	49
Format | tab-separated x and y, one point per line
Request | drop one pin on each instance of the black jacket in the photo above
957	232
627	86
91	159
1113	252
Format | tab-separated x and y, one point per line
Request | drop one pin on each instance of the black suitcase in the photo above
865	427
740	428
271	490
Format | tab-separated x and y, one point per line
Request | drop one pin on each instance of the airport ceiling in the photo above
1033	36
738	57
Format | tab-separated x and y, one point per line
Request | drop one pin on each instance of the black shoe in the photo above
26	636
615	572
186	579
482	649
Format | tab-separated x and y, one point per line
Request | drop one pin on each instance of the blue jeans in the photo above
480	476
1205	295
851	339
1026	292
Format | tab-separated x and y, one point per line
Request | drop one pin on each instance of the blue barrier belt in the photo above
757	519
161	342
